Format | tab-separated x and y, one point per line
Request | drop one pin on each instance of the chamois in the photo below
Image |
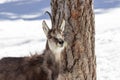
37	67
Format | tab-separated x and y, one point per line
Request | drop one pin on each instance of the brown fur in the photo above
36	67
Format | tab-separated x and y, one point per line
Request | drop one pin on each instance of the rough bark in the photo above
78	61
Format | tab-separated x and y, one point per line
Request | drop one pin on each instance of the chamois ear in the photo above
45	28
62	27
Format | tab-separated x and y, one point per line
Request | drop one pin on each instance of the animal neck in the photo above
57	56
56	53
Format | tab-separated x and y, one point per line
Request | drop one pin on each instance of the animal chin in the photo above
58	49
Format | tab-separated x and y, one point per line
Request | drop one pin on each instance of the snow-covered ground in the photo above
108	44
20	38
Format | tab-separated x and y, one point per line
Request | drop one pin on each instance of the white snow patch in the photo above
6	1
20	38
36	15
108	44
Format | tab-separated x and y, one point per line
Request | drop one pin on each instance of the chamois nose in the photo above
61	42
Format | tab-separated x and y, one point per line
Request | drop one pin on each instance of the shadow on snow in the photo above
106	4
24	9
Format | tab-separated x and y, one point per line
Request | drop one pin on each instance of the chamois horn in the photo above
49	16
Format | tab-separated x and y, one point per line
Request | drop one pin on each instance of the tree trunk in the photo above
78	60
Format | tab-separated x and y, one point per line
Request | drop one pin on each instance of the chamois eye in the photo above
61	42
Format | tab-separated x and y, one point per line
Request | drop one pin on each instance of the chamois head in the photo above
55	38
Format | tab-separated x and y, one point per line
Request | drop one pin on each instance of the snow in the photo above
20	37
108	44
